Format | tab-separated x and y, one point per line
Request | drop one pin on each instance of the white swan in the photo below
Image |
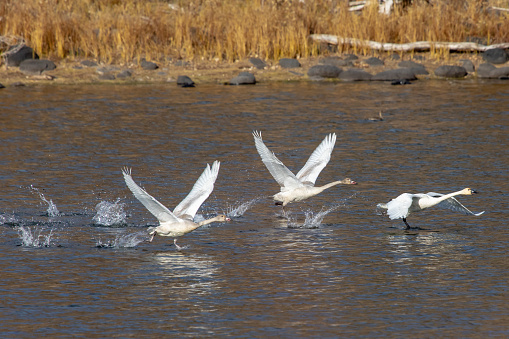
406	203
179	222
301	186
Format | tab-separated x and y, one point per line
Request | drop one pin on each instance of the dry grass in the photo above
127	30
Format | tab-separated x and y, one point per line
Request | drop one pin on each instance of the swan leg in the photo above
152	238
407	225
177	246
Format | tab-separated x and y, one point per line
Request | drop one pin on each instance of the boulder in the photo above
88	63
258	63
335	61
2	86
468	65
500	73
106	76
16	58
496	56
244	78
184	81
289	63
395	74
373	62
351	57
124	74
449	71
148	65
355	75
324	71
484	70
36	66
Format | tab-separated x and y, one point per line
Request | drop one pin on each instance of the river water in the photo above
74	257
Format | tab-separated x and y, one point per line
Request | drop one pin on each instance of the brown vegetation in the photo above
116	31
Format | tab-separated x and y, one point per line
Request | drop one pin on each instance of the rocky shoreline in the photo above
25	68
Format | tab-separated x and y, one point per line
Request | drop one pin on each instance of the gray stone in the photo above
2	86
324	71
258	63
289	63
468	65
500	73
410	64
395	74
16	58
148	65
484	70
184	81
106	76
449	71
496	56
351	57
89	63
335	61
124	74
244	78
355	75
374	62
395	56
36	66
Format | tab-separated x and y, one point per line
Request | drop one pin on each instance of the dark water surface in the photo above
353	274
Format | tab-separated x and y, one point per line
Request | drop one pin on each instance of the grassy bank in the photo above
118	31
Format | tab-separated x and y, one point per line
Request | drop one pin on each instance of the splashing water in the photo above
9	219
123	241
238	211
313	220
52	210
109	214
34	238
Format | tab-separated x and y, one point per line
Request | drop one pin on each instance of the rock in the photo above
500	73
335	61
418	57
2	86
124	74
36	66
324	71
484	70
88	63
355	75
148	65
258	63
373	62
244	78
496	56
395	56
16	58
395	74
289	63
468	65
351	57
417	68
449	71
184	81
106	76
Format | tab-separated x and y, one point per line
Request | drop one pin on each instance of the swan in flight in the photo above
179	222
301	186
406	203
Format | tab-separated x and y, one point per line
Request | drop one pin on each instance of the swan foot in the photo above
152	237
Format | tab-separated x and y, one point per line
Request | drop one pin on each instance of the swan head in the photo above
222	217
348	181
468	191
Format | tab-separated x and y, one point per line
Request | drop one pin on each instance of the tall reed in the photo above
127	30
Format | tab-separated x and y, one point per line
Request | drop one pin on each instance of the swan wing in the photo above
399	207
453	204
318	160
155	207
199	193
284	177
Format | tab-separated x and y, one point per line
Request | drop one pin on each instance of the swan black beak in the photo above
474	192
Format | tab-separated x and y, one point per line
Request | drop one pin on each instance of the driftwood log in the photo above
412	46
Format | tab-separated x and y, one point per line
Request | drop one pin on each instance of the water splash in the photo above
239	210
313	220
123	241
52	210
34	238
109	214
9	219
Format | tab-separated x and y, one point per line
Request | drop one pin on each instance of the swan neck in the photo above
447	196
208	221
334	183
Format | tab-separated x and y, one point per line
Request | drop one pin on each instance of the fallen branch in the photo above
412	46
